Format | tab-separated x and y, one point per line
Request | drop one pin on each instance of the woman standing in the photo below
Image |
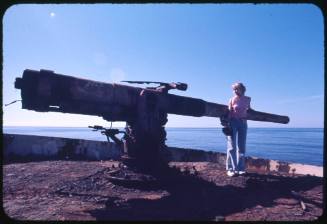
238	106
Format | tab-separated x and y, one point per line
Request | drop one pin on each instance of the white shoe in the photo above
241	172
230	173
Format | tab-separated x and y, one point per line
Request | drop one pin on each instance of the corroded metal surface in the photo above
45	90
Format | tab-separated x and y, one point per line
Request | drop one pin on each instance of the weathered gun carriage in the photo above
143	109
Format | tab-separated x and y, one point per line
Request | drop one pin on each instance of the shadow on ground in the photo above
193	198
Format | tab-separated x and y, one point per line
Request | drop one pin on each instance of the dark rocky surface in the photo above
106	190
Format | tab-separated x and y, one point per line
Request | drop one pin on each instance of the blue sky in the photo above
276	50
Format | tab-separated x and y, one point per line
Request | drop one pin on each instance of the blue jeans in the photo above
235	159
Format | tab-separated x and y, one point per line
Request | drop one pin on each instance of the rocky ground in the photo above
106	190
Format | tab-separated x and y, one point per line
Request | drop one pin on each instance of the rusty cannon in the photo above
144	110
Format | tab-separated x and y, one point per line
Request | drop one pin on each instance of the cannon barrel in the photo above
45	91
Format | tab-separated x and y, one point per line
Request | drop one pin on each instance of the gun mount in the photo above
143	109
110	133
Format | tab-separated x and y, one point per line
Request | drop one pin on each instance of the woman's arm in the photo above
230	107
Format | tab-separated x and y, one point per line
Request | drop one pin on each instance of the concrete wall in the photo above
28	147
252	163
17	147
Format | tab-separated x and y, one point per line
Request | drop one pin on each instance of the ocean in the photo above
298	145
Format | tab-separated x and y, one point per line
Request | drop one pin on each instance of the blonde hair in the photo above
239	85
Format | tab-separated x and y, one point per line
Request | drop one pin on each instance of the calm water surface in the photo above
300	145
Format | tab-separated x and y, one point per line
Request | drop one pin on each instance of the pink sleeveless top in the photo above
238	106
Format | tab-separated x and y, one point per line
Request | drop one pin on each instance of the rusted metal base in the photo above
145	136
137	164
128	177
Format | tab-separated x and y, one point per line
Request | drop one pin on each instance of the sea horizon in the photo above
291	144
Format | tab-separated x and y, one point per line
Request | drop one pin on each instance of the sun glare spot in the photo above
52	14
